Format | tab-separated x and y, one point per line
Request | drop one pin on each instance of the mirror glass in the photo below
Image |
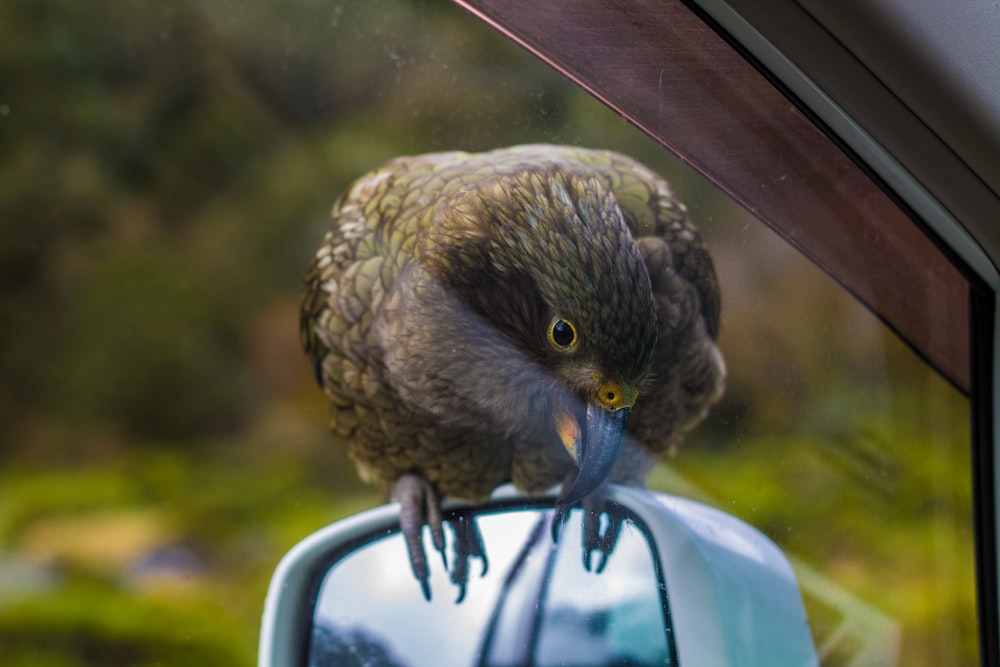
536	604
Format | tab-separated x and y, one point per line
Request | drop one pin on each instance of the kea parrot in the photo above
543	315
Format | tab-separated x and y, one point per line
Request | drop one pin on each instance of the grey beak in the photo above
598	451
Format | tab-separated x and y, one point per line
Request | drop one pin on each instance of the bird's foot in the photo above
421	506
600	536
468	545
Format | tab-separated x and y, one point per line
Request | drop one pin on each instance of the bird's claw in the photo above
419	506
468	545
594	539
559	519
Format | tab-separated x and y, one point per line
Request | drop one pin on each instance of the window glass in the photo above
841	445
167	173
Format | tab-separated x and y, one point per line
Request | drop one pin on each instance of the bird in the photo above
538	314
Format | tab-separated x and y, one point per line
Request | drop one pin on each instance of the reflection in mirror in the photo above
537	604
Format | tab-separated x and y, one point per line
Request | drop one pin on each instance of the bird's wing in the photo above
313	304
373	227
651	209
688	371
336	307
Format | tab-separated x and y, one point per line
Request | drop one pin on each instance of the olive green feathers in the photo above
465	312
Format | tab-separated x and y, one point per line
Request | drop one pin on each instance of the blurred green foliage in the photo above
165	173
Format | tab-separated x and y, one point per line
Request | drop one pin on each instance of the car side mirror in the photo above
684	585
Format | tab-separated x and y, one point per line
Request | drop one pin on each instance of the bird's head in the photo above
550	318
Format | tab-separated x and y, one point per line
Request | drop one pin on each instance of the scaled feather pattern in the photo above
471	317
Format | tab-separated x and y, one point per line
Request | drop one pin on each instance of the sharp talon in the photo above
425	586
559	517
418	558
604	561
468	544
591	534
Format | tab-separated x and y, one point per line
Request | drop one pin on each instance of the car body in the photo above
685	584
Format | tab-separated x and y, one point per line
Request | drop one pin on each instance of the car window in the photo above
857	463
168	171
836	453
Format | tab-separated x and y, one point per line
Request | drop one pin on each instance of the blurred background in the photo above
166	171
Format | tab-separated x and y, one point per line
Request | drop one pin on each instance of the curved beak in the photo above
595	450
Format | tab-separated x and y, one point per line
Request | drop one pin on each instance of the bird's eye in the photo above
562	334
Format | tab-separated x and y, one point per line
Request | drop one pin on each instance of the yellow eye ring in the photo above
562	334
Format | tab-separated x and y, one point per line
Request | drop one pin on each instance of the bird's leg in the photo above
468	544
420	506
